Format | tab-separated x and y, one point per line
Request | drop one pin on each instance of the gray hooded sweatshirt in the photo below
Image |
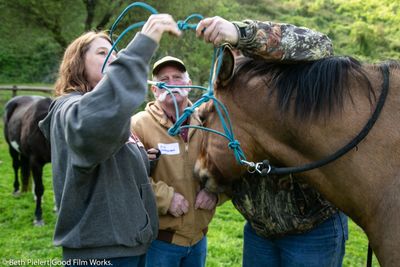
100	174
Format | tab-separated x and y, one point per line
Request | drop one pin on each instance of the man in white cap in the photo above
185	209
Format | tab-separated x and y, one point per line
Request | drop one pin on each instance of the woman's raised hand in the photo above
157	24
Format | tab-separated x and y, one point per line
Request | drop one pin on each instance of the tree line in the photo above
35	33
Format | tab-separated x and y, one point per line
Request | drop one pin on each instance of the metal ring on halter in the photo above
251	166
259	165
269	168
248	163
251	169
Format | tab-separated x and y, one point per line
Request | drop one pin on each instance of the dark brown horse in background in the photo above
28	148
294	114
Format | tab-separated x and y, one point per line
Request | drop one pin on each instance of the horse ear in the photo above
228	63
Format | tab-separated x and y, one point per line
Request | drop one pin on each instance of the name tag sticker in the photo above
169	149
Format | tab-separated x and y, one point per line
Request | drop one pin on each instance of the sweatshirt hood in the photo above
44	125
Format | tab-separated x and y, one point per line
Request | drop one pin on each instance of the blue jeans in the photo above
134	261
163	254
323	246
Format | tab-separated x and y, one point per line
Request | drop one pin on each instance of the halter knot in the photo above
206	97
161	85
174	131
234	144
182	25
188	111
185	25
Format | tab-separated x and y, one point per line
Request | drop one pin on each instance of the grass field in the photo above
21	242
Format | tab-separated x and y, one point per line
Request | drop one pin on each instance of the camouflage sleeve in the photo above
276	41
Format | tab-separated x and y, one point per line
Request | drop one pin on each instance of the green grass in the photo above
20	240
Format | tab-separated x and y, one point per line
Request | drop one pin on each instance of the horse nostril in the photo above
200	171
198	165
205	177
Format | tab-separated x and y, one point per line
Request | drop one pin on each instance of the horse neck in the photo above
296	142
283	139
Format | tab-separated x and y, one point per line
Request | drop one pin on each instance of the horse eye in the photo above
203	115
210	108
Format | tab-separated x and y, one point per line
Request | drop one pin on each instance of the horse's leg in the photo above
16	164
25	173
37	172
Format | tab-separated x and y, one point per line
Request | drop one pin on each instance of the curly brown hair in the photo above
71	74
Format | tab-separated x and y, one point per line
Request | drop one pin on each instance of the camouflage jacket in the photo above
276	206
276	41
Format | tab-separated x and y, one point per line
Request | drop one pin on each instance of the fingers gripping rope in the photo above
182	25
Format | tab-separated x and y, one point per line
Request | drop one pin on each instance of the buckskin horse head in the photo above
293	114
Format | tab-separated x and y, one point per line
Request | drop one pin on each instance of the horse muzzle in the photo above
206	177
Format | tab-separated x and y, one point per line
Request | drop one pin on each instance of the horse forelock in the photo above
309	89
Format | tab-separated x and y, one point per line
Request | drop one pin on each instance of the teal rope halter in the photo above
209	95
219	107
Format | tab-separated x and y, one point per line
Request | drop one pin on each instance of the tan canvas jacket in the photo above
173	173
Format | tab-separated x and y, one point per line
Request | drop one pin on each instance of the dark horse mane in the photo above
315	88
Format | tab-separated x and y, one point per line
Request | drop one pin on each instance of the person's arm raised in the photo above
97	125
268	40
